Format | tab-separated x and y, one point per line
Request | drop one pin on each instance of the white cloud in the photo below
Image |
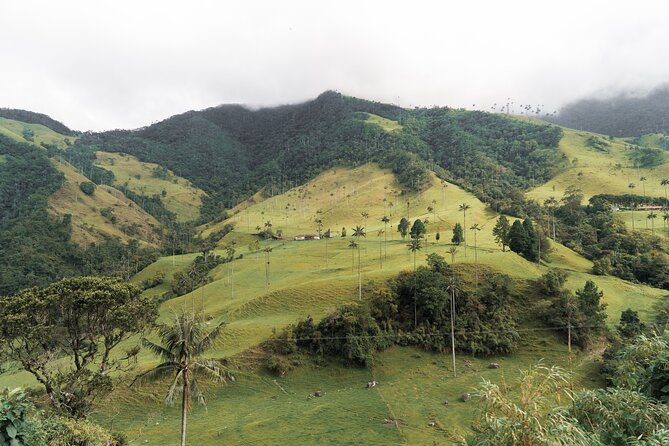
107	64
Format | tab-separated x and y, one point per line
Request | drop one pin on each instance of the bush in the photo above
87	187
278	365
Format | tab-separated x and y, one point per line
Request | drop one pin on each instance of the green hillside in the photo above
36	134
413	384
177	194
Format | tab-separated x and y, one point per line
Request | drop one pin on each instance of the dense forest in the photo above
231	151
621	115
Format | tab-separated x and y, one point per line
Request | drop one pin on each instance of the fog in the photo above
124	64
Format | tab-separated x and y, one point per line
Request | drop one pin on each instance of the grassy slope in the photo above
14	129
386	124
88	225
413	384
599	172
182	197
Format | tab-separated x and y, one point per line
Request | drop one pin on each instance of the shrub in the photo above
87	187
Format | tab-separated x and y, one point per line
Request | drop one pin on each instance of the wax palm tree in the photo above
267	250
380	233
652	216
476	228
183	344
352	244
464	207
385	221
665	217
414	246
551	203
365	216
453	289
664	183
357	233
452	251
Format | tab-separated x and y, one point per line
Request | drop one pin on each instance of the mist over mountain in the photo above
625	114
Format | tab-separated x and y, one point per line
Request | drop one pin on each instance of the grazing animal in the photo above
371	384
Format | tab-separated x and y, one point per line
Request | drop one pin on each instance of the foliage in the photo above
528	420
35	118
87	187
403	227
584	313
646	157
14	427
642	365
620	417
552	282
458	234
77	323
417	229
501	231
630	325
349	332
197	274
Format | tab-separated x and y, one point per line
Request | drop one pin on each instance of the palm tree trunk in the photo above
359	273
184	410
415	303
464	229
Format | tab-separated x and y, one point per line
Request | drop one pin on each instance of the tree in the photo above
65	335
664	183
551	203
230	251
631	187
652	216
501	232
533	247
630	325
403	227
464	207
352	244
452	251
417	229
457	234
183	345
87	187
343	232
385	221
267	250
476	228
357	233
414	246
437	236
517	238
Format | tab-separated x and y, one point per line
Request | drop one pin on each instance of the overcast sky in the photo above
123	64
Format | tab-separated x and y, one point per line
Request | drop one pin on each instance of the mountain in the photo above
231	151
625	114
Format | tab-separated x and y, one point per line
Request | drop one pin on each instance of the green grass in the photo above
181	197
413	384
14	129
386	124
596	172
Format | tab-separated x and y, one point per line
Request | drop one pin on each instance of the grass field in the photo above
597	172
41	134
88	224
386	124
181	197
304	280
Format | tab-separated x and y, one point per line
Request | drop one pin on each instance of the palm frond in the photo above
157	373
175	388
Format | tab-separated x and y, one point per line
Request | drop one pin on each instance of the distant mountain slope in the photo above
622	115
36	134
36	118
231	152
89	225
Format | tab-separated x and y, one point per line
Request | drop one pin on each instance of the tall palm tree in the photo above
631	187
414	246
550	203
464	207
476	228
452	251
643	183
380	233
267	250
665	183
665	217
652	216
230	251
357	233
365	215
183	344
453	288
352	244
385	221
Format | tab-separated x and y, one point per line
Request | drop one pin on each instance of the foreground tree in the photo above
501	232
65	334
357	233
458	236
181	351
